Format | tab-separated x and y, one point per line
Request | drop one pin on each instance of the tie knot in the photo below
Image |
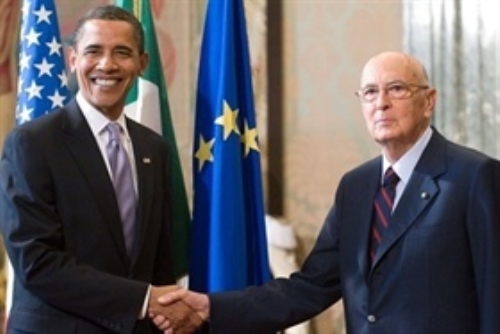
390	178
114	130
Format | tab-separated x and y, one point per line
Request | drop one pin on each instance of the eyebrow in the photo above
115	48
124	47
396	81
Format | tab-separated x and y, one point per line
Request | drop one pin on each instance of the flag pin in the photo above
146	160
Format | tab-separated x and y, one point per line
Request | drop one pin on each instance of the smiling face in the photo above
106	60
396	124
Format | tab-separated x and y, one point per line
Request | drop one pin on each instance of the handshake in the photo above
176	310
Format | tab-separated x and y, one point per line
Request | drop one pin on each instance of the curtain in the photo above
459	43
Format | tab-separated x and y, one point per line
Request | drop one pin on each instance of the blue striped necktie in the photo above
382	209
123	183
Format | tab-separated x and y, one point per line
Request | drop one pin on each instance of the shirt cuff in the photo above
144	309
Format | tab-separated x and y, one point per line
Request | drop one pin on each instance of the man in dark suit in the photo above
434	267
59	215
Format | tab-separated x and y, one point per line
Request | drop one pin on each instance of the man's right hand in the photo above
197	303
172	315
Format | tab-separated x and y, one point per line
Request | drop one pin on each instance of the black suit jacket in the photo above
62	230
437	270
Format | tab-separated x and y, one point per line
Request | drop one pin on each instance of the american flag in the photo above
43	83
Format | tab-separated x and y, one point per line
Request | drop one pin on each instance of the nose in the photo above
107	63
382	102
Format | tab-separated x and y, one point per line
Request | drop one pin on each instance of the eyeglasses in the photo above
395	91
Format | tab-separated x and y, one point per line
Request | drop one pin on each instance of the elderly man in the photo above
412	242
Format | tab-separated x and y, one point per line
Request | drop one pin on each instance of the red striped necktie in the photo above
382	209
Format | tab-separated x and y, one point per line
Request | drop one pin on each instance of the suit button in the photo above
371	318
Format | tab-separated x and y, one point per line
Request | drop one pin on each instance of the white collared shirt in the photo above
98	122
406	164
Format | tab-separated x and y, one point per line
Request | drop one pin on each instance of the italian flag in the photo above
147	103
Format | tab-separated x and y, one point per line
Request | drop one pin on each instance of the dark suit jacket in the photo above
62	230
437	270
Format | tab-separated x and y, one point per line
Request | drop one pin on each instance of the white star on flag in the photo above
32	37
64	79
57	99
34	90
44	67
42	14
24	62
43	84
25	114
54	46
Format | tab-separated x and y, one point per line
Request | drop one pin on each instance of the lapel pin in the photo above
146	160
424	195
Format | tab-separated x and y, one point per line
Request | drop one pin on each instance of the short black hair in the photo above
110	13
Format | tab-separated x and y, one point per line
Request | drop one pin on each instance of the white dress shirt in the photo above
98	122
406	164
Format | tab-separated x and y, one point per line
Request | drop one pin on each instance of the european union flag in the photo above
228	246
43	83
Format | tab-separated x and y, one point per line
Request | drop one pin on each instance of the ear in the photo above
72	58
144	60
430	101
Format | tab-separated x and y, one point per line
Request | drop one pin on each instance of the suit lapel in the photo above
88	158
371	182
145	162
420	192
